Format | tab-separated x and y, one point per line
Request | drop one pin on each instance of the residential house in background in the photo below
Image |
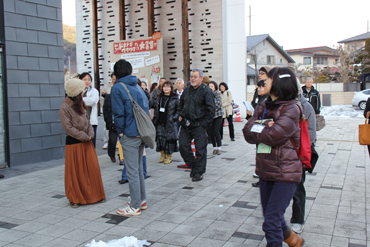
262	51
356	42
318	57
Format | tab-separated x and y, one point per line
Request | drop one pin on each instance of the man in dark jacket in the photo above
196	111
312	95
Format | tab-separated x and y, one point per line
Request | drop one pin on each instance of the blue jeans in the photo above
124	176
275	198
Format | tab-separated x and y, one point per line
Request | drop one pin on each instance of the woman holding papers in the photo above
274	127
214	130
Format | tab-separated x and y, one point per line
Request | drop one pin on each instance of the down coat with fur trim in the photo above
282	164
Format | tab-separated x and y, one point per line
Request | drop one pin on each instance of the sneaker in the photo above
255	175
121	162
184	166
218	152
105	146
256	184
129	211
214	151
123	181
197	177
143	205
297	228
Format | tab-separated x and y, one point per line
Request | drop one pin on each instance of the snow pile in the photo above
343	111
123	242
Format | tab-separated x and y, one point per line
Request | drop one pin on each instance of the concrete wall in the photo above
34	66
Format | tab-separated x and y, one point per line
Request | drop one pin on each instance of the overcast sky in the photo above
292	23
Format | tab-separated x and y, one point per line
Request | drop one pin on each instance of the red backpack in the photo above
304	153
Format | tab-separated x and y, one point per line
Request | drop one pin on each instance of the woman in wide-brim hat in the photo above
82	179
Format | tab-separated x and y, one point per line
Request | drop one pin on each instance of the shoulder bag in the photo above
144	124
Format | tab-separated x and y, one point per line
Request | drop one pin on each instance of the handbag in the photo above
364	132
320	122
144	125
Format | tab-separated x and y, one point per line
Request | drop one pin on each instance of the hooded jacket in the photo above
309	114
124	119
313	96
282	164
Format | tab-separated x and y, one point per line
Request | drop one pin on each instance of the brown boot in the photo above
292	239
168	159
163	156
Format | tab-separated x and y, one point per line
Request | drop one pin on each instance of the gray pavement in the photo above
222	210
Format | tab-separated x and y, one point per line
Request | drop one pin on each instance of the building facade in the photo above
32	81
216	37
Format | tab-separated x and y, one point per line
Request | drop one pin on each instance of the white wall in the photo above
234	46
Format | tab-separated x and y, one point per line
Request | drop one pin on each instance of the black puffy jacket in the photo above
172	115
313	97
197	106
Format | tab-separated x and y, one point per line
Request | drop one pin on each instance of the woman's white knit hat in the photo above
74	87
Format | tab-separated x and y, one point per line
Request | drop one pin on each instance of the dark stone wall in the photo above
35	79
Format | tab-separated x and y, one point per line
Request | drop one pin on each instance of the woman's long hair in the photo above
154	85
79	105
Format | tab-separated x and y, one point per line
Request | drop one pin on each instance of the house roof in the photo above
313	51
356	38
251	72
254	40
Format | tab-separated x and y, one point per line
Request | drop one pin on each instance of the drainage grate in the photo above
248	236
58	196
114	219
188	188
310	198
242	204
7	225
125	195
331	187
242	181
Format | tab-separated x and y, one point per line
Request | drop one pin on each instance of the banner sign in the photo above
134	46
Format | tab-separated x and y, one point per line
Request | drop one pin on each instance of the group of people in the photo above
185	115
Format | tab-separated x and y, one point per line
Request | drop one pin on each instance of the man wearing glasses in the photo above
196	111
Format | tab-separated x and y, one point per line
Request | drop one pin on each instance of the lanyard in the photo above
160	103
263	115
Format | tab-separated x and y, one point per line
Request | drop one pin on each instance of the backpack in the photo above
144	125
304	153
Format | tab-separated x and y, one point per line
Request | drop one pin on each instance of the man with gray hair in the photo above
312	95
179	86
196	111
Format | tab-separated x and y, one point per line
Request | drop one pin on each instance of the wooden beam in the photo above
185	41
150	17
95	47
122	20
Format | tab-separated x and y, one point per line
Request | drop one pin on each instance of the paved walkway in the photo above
222	210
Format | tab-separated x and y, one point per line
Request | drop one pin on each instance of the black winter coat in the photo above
107	112
313	97
197	106
172	115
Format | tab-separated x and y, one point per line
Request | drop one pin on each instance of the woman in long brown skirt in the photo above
82	179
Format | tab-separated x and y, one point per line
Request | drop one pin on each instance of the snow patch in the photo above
123	242
342	111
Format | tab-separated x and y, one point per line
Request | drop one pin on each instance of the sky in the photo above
293	23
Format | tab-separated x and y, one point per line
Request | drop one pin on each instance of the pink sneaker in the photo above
129	211
143	205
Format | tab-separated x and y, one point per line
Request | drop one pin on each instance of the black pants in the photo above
94	139
199	135
112	142
231	127
299	202
214	131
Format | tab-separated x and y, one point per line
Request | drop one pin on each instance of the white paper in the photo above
137	54
112	67
152	60
248	106
137	62
135	71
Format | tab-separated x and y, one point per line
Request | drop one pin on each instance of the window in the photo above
251	58
307	60
281	60
270	60
321	60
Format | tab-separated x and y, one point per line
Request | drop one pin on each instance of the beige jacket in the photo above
74	125
227	103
